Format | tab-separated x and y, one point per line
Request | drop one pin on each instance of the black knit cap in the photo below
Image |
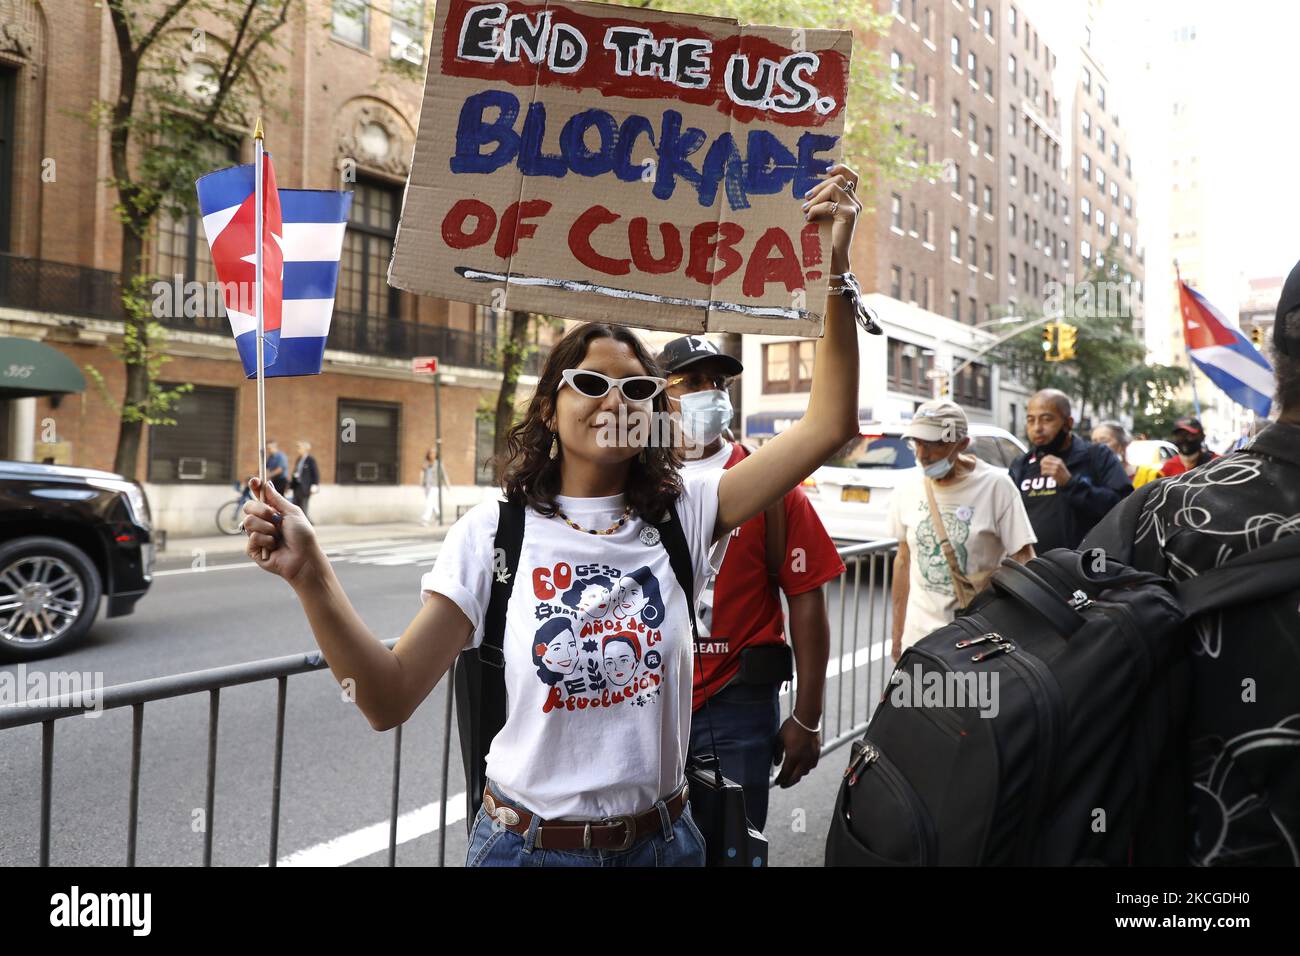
1289	302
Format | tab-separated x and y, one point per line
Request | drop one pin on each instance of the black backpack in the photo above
1084	761
480	672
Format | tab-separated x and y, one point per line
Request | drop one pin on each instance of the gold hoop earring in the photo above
555	446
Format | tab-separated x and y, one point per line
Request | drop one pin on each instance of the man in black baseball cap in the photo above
742	655
1189	436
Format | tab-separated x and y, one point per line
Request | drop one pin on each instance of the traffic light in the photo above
1066	336
1049	342
1257	337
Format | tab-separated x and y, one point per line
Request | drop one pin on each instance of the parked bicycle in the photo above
231	513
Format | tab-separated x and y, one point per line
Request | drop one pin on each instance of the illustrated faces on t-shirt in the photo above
596	645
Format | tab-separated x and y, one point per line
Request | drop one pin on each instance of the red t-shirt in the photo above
738	608
1175	466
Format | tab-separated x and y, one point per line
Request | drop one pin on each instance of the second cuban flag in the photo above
302	240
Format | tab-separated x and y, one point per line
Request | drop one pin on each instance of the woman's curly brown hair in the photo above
532	477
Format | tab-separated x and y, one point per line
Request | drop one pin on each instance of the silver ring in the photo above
851	186
834	206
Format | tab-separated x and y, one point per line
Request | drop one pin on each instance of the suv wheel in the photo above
49	596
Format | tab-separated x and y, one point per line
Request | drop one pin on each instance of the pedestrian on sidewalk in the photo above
429	482
306	476
956	518
1066	482
1115	437
588	770
743	655
1189	436
277	467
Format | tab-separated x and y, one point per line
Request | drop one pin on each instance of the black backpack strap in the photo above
673	539
480	672
1262	573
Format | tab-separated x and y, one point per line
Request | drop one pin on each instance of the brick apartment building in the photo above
339	104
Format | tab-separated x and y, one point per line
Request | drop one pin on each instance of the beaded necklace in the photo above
627	511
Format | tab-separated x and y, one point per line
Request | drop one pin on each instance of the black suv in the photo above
68	536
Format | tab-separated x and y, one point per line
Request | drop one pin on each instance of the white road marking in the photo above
372	839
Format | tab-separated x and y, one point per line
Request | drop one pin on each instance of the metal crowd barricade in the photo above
853	662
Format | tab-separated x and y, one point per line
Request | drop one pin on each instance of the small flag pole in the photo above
257	298
1191	366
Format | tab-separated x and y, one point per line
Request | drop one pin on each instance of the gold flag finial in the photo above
257	133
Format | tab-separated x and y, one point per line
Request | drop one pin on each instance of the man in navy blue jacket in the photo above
1067	484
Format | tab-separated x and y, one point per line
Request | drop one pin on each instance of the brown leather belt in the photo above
616	833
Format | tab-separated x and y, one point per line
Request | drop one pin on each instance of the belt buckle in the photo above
629	826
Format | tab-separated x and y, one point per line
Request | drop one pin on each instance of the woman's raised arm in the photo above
387	685
832	416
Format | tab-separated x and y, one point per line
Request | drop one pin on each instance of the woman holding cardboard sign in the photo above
579	580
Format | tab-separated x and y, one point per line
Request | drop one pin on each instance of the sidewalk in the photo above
329	536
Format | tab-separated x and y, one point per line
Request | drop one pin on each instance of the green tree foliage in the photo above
1109	374
184	84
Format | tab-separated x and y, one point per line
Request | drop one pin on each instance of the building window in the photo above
1011	66
351	22
1101	139
484	441
907	368
954	306
406	40
1128	203
988	21
970	188
988	200
896	282
200	447
956	117
1085	207
896	68
911	288
1087	122
925	225
180	245
1114	191
1013	167
366	304
954	243
971	388
912	221
972	127
1101	96
896	211
1085	163
956	180
1085	251
367	449
927	23
925	293
1101	178
787	366
988	258
1013	20
1011	214
972	67
1128	166
8	100
1087	80
988	140
955	46
970	252
972	311
1011	268
929	88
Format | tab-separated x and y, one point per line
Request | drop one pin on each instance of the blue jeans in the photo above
679	843
746	721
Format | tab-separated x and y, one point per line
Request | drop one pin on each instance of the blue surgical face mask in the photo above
705	414
939	469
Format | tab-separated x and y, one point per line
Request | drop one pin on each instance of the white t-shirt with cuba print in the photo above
597	650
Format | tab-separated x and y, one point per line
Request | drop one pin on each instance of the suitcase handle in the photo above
1017	581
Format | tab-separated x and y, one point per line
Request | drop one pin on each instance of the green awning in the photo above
30	368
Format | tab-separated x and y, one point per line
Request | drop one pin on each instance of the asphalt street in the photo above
338	773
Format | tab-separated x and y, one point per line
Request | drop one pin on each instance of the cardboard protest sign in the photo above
617	164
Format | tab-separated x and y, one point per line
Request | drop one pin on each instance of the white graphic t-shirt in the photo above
985	521
597	650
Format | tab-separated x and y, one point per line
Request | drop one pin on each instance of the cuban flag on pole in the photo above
302	240
1225	355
